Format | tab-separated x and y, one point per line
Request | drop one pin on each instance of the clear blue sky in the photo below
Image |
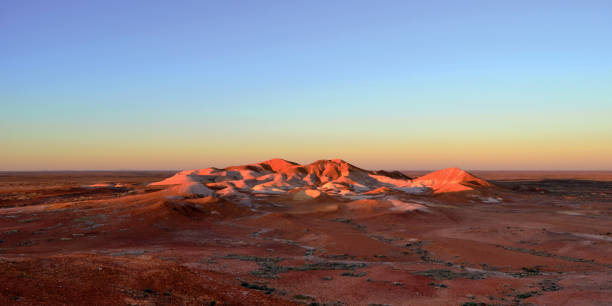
383	84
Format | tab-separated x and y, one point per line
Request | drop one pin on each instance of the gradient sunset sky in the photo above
381	84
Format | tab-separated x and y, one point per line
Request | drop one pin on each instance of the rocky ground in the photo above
125	242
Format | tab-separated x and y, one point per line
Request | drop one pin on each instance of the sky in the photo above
481	85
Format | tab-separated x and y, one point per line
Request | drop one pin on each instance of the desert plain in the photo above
325	233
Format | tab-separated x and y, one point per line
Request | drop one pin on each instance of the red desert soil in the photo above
367	238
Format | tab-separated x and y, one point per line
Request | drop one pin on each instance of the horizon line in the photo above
168	170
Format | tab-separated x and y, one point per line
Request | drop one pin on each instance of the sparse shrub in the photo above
303	297
263	288
549	285
351	274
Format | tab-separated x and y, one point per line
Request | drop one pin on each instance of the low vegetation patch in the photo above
351	274
547	254
448	274
526	295
260	287
303	297
269	268
549	285
351	222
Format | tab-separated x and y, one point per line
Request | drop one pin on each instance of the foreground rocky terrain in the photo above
326	233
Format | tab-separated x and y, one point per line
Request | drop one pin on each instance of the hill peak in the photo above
276	164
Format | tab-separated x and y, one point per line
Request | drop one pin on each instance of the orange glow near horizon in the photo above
564	142
411	149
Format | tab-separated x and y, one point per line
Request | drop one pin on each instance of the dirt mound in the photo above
181	210
451	180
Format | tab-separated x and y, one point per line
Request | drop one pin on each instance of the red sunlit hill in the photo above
452	180
324	233
333	177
